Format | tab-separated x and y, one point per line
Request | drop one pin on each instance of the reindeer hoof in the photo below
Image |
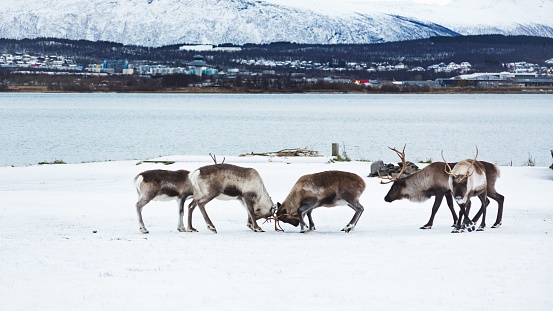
348	228
304	230
181	229
457	230
191	230
496	225
426	227
258	230
144	230
212	229
469	226
480	229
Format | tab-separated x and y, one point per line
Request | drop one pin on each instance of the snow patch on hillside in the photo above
156	22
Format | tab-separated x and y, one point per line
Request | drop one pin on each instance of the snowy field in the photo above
69	240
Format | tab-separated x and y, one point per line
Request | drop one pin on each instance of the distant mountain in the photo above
165	22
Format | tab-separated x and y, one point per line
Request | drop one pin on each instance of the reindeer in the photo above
420	186
227	182
162	185
468	179
434	181
329	188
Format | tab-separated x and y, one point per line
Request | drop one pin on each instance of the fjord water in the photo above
111	126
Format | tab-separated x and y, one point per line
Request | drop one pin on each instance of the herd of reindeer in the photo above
459	181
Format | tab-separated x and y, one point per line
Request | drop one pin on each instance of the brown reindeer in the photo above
329	188
162	185
434	181
227	182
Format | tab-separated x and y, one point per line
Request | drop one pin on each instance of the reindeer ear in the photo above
279	205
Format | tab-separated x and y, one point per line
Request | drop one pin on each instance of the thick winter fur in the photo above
227	182
468	179
162	185
329	188
434	181
420	186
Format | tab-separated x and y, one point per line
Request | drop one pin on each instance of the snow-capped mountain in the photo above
163	22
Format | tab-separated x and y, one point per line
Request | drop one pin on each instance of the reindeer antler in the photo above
277	223
468	169
467	175
389	178
447	165
214	158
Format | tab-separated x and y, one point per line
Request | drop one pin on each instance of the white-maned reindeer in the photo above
227	182
329	188
162	185
467	179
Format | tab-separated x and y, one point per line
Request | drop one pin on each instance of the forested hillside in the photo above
486	52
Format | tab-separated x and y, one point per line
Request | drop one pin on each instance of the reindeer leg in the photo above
500	199
191	208
201	205
458	227
307	206
139	205
358	208
249	223
449	201
467	222
481	210
311	223
303	227
248	200
180	226
485	203
435	207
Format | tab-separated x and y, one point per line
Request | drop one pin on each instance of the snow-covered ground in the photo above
69	240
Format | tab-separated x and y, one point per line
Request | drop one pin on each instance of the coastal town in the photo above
262	74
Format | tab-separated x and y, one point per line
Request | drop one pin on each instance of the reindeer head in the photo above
395	192
284	215
264	207
459	177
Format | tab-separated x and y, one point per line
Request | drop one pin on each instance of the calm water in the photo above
96	127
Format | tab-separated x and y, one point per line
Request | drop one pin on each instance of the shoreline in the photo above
169	160
216	90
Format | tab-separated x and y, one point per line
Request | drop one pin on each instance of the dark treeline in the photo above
483	50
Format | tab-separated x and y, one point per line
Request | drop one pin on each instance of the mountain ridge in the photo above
165	22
